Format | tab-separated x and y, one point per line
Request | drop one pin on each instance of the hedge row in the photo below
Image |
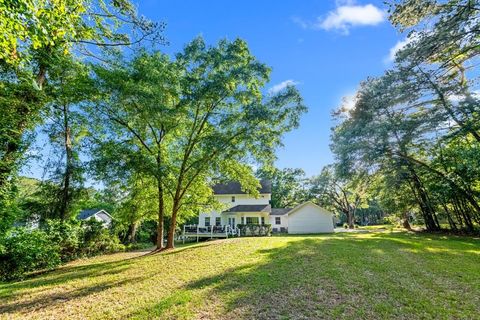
23	250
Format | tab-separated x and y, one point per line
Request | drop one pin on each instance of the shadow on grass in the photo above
65	274
59	298
383	275
335	276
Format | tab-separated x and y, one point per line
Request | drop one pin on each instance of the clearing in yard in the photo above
373	275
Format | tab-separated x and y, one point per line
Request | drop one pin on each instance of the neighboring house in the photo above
97	214
243	208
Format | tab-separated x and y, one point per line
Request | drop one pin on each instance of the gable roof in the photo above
306	203
234	187
85	214
250	208
280	211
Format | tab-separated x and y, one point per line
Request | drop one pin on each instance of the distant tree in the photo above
137	205
69	87
341	195
288	186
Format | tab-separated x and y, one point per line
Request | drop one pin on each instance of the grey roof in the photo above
85	214
234	187
280	211
250	208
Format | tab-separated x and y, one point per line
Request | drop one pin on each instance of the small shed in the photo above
309	218
97	214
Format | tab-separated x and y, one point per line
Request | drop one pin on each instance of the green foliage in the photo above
24	250
416	129
36	53
330	189
185	122
30	26
289	187
68	236
147	232
255	230
97	239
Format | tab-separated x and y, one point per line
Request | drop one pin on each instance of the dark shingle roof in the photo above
85	214
250	208
234	187
280	211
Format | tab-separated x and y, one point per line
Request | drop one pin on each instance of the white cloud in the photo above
456	98
282	85
350	15
399	46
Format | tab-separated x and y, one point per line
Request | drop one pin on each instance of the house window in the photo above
252	220
243	220
263	220
231	222
233	198
278	220
207	221
218	221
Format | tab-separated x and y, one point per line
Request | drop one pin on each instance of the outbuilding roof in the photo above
85	214
250	208
234	187
280	211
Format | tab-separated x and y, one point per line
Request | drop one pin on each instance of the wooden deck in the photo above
195	231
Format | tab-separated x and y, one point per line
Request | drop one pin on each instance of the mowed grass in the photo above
377	275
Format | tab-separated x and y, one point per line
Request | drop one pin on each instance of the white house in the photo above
242	208
97	214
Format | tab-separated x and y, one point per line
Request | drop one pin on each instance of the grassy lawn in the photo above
366	275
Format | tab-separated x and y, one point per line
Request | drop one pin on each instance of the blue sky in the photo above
326	47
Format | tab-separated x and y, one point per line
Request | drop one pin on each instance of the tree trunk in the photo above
161	208
423	200
405	222
350	219
173	225
132	232
66	195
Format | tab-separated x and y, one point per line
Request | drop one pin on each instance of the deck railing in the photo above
197	231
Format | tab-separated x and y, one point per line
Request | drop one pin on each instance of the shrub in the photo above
25	250
255	229
147	232
67	235
97	239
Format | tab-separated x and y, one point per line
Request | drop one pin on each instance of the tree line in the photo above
415	131
155	130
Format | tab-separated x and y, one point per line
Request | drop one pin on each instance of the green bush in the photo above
97	239
255	229
25	250
67	235
147	233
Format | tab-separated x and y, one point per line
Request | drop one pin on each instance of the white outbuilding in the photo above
96	214
304	218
